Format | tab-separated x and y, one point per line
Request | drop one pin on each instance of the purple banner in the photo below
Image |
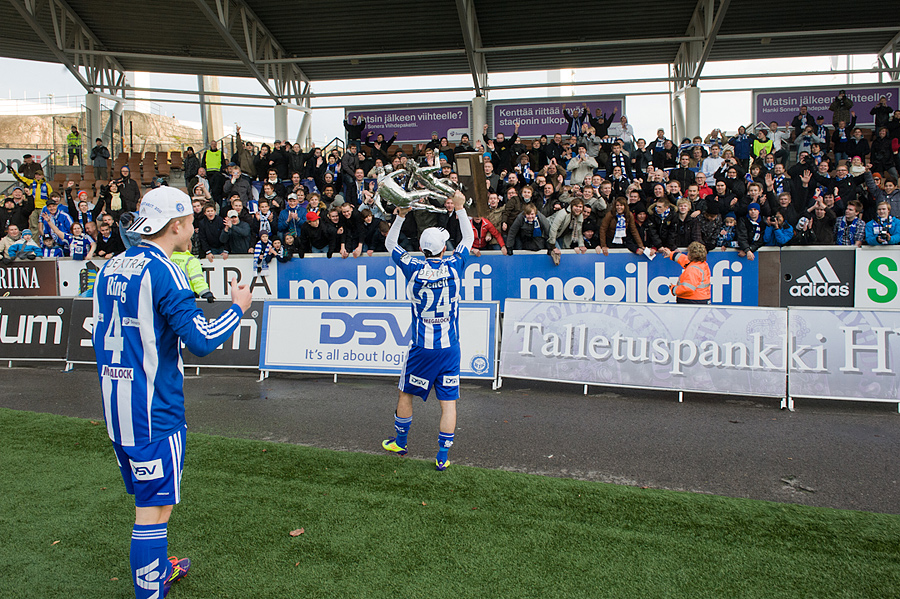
546	118
783	105
415	124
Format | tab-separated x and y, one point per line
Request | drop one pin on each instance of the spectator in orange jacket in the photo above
694	283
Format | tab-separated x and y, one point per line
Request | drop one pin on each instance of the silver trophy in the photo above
412	187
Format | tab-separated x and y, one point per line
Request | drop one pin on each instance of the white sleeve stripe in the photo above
213	329
223	321
177	274
220	324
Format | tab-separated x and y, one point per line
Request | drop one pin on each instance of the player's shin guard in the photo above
401	425
149	560
445	440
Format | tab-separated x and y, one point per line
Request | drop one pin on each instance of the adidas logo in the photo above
820	281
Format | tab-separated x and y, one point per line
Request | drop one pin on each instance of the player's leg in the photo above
153	474
446	389
446	434
402	423
411	384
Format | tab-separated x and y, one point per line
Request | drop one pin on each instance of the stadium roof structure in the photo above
288	45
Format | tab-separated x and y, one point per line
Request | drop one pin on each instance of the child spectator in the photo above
262	252
50	249
26	247
727	235
751	231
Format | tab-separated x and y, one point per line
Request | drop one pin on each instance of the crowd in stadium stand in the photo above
817	180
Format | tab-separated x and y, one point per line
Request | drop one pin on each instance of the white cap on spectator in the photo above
433	240
158	207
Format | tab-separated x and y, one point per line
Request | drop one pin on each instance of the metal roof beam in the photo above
253	43
158	57
468	20
713	23
219	21
692	56
891	45
72	36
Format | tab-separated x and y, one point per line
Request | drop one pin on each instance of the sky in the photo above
725	104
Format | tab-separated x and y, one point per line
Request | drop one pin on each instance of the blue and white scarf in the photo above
843	227
619	237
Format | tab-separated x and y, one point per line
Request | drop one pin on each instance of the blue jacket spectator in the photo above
883	230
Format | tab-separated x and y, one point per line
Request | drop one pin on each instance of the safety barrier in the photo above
842	354
823	353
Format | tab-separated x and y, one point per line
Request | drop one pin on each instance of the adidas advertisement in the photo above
817	277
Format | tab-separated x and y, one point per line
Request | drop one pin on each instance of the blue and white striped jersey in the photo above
433	287
143	310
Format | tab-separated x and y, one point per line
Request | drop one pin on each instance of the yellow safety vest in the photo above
213	160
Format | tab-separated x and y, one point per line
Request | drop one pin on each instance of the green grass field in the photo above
383	526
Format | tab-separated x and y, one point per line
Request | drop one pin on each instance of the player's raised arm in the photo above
393	236
465	225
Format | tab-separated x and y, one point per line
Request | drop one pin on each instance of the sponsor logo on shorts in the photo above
118	374
414	380
451	381
147	470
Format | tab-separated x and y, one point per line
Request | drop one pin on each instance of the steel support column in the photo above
691	56
468	20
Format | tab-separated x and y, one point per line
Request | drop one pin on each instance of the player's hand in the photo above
241	295
459	201
402	211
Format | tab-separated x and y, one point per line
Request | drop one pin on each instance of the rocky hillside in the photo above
150	132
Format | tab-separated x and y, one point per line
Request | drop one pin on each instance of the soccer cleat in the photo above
180	569
391	445
441	466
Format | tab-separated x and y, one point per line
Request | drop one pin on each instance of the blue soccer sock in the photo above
401	425
445	440
150	565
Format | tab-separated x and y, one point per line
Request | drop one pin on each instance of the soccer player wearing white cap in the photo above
143	310
432	359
